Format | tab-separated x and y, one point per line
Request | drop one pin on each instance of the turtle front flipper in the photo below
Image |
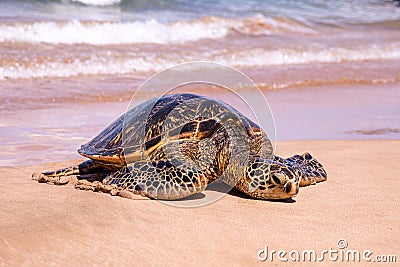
86	169
160	179
312	171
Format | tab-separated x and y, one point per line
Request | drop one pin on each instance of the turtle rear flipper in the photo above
88	169
312	171
155	179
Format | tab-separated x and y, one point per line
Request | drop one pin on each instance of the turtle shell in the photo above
140	131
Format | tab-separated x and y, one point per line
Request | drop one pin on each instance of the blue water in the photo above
309	11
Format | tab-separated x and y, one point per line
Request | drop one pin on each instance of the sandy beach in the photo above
328	70
44	224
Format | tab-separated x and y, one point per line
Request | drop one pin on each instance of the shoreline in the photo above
43	224
332	112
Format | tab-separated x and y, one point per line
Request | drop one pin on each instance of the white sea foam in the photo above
127	63
150	31
98	2
76	32
262	57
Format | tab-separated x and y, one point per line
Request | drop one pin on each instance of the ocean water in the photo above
68	67
342	11
40	38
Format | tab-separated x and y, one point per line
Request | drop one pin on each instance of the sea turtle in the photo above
174	146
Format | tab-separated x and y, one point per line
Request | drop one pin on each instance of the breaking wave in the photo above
98	2
124	63
149	31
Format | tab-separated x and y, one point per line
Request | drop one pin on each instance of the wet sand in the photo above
47	224
34	135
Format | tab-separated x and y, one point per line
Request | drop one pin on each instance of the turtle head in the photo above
269	179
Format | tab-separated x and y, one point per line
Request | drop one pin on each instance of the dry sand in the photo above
43	224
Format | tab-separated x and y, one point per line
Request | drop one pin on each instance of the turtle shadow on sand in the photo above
224	188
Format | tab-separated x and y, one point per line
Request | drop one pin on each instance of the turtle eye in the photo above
276	177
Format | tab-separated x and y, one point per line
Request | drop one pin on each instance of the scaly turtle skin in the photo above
174	146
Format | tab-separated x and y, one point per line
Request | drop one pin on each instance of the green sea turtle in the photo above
174	146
